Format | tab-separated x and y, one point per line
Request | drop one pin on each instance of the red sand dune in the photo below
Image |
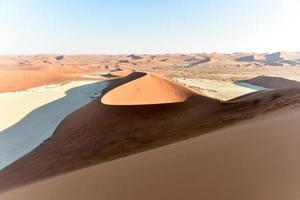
36	75
28	79
98	133
158	91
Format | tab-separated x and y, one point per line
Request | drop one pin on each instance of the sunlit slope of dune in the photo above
35	76
146	89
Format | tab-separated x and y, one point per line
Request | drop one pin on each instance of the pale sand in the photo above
31	116
218	89
256	159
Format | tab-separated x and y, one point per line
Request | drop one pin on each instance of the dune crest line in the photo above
140	88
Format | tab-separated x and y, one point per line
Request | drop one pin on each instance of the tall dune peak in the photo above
139	88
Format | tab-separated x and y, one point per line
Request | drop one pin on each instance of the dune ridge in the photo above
273	82
108	132
143	88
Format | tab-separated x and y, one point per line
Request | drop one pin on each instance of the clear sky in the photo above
148	26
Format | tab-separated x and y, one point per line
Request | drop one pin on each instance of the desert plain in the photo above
168	126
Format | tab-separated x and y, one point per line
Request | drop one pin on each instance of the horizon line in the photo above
165	53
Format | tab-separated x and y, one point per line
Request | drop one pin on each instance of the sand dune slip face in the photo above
256	159
273	82
146	89
29	117
98	132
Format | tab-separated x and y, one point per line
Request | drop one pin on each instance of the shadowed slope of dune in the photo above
281	58
257	159
27	124
97	132
273	82
248	58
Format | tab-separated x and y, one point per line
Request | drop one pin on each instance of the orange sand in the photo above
257	159
146	89
98	133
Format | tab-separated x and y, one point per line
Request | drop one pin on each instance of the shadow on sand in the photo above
38	125
271	82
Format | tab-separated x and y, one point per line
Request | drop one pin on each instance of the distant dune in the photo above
273	82
283	58
36	70
249	58
59	57
273	57
145	89
36	75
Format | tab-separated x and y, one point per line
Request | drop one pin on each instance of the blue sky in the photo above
148	26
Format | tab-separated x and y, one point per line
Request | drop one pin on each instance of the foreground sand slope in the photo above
97	132
257	159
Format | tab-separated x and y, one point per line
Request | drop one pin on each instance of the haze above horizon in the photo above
119	27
